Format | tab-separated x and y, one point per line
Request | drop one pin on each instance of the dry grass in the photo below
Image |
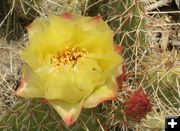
10	64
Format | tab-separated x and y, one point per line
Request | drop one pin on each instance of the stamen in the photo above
69	55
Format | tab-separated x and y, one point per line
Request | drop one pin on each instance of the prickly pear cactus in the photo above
160	74
26	9
131	25
38	115
163	74
29	115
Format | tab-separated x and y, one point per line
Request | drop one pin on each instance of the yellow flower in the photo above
71	63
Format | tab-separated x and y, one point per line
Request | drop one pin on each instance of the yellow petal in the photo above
88	75
94	35
69	83
107	62
30	84
102	93
47	35
62	86
68	111
51	30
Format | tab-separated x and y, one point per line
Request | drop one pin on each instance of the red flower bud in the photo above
138	105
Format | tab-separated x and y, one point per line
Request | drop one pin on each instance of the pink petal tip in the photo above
69	121
21	86
44	101
29	27
97	17
108	98
67	15
118	49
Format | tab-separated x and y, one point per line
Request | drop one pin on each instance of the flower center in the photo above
69	55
